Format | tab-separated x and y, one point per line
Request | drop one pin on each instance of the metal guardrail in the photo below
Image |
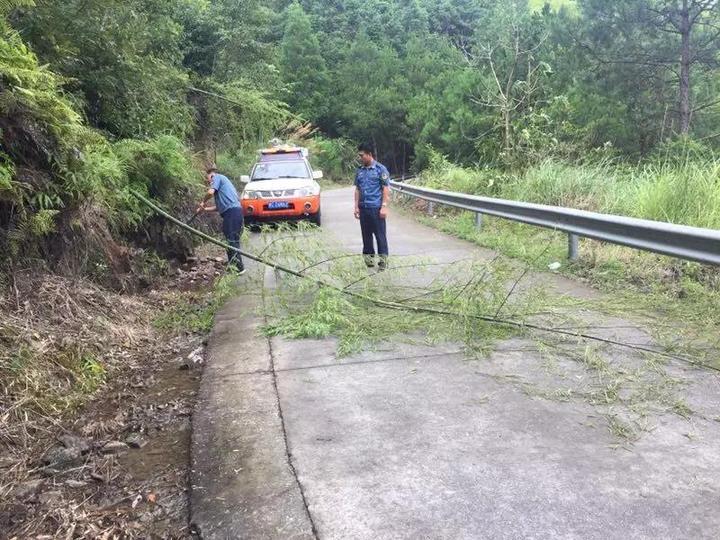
690	243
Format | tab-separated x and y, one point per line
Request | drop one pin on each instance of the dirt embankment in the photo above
95	406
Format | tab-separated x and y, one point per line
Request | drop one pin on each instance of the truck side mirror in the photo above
317	175
245	179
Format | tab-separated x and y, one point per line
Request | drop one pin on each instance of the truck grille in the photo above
277	194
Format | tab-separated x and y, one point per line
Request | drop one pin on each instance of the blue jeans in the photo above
232	229
372	225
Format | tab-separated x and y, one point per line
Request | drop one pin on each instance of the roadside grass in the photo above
54	375
58	349
70	337
77	374
329	184
79	359
686	191
195	311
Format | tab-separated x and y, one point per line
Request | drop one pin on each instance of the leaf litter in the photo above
95	405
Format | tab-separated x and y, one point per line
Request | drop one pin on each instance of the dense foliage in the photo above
97	96
505	82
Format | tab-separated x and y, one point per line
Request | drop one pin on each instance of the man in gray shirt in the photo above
227	203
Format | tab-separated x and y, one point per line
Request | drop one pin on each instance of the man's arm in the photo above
209	195
385	182
357	196
215	185
385	202
357	202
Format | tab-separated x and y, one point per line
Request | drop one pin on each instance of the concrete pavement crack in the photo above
342	364
288	454
359	363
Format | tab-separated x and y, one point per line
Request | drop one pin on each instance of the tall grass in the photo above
687	194
677	192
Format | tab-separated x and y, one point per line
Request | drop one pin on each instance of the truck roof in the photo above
283	153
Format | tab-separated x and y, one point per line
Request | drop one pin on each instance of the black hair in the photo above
211	170
366	148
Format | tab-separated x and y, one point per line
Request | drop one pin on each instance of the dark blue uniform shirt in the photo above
371	181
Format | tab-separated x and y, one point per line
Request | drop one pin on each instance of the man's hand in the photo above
200	208
357	213
383	212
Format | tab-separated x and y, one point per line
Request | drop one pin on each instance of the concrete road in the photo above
419	442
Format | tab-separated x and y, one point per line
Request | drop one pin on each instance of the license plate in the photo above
278	205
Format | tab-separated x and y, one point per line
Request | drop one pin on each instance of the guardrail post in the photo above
573	247
478	220
431	208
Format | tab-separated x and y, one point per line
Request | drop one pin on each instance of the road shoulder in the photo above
243	485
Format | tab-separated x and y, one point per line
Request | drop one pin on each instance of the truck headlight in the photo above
249	194
307	191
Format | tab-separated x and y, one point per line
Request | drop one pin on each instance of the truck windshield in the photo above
280	169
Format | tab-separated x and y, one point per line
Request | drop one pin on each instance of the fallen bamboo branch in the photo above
395	306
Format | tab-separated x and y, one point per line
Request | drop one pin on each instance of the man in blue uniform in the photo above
227	203
372	194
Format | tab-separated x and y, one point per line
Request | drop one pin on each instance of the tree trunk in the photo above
203	138
508	131
685	61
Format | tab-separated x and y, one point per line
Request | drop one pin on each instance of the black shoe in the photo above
369	261
382	264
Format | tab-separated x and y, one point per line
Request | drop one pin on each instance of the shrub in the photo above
161	168
335	157
238	162
64	189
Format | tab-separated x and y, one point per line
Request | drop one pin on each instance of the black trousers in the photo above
232	229
372	225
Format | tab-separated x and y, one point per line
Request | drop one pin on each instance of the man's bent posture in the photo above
227	203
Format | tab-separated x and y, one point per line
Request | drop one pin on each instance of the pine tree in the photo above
303	67
415	18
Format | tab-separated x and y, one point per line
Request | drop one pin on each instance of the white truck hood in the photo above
277	184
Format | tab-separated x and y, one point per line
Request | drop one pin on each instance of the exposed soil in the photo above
117	466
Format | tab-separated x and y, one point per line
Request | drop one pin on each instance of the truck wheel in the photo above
316	219
251	224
